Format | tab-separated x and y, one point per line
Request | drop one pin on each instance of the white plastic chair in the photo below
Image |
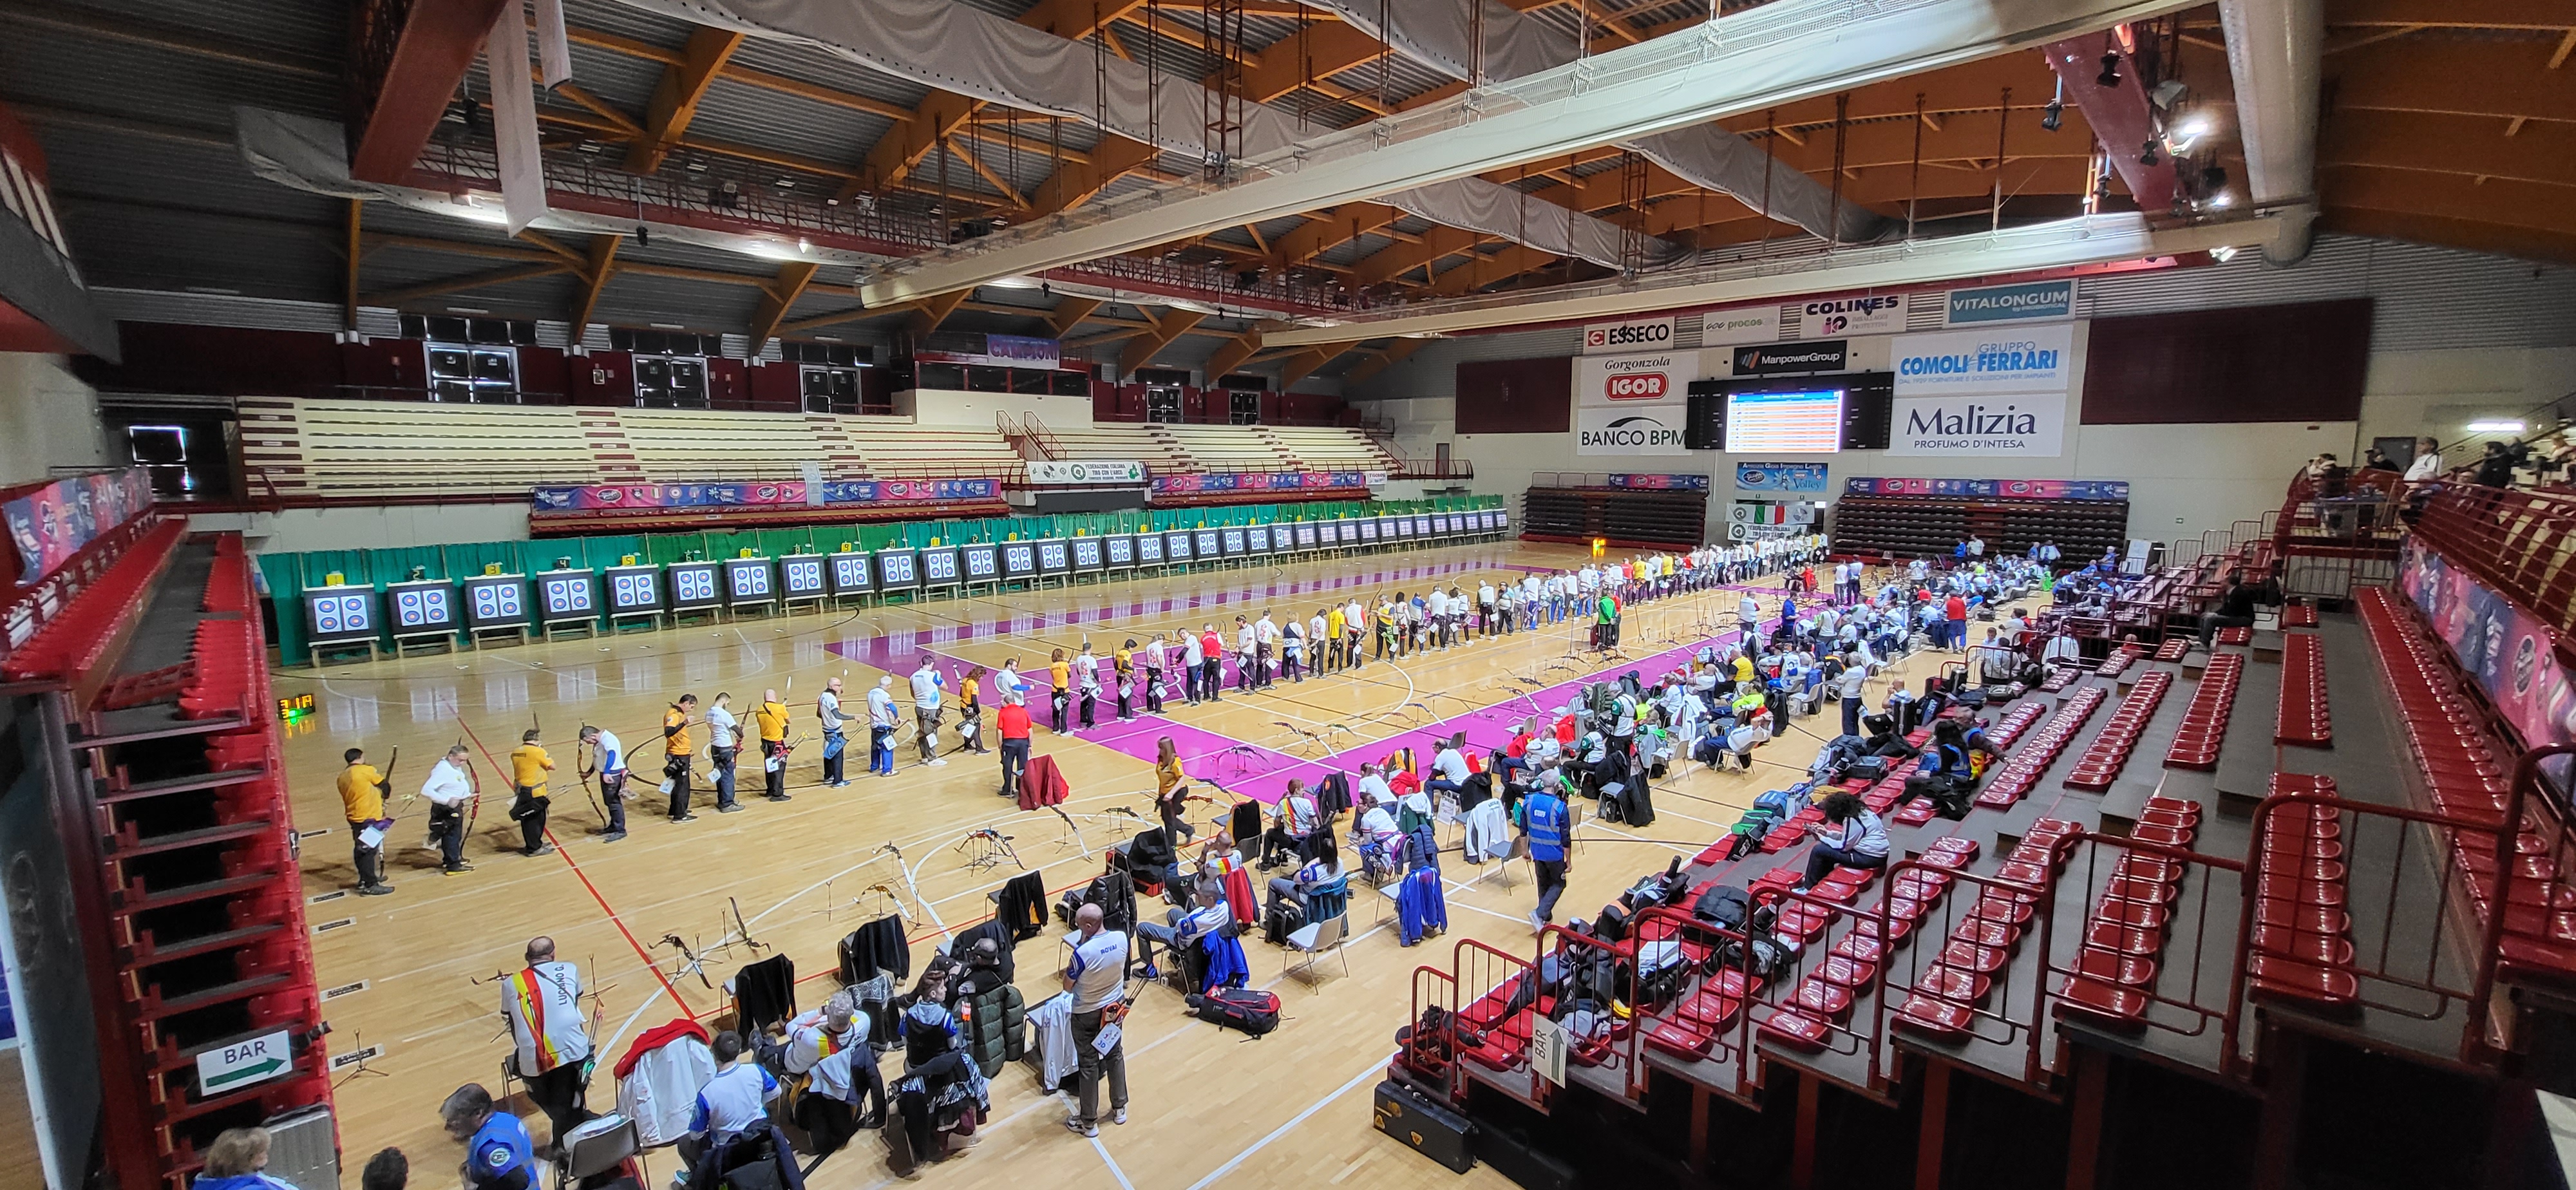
1313	939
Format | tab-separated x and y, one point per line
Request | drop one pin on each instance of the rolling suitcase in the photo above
1424	1125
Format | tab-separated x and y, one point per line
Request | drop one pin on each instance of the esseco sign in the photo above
1635	334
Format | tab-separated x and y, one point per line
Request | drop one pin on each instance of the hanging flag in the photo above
554	54
514	117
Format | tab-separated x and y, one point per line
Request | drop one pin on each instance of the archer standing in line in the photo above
451	788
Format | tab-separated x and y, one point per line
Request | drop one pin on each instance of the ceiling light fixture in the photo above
2110	70
2495	427
1014	283
2053	117
2148	156
2223	253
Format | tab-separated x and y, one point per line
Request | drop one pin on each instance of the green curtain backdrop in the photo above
285	576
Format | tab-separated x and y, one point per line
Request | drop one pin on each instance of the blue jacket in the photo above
247	1181
1543	819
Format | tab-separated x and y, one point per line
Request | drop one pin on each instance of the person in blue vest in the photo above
1546	825
498	1153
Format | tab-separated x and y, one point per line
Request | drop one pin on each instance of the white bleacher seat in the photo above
702	446
389	448
895	447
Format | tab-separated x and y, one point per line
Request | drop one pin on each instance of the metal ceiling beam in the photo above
1303	364
602	264
1231	353
1770	55
2065	243
482	280
941	113
933	311
1070	312
2502	78
1141	350
2523	242
730	72
435	47
676	97
793	277
2471	146
126	28
1386	357
351	255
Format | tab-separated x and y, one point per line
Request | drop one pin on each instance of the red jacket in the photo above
1013	721
1212	645
1958	608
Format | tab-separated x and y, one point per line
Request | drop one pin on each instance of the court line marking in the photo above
1112	1162
1374	1068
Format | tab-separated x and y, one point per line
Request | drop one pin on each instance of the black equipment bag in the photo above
1280	920
1240	1009
1866	768
1725	906
2002	692
1424	1125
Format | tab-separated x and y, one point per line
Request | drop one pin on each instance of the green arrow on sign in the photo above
249	1073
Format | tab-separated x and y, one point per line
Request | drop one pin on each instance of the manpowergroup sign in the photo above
1635	334
1632	404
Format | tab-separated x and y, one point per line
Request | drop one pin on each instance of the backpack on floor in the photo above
1241	1009
1281	920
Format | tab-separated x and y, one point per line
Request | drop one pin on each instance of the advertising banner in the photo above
1633	404
53	522
1087	471
2511	653
1649	429
1780	477
1785	359
2030	425
1661	483
1851	314
1259	481
2007	489
592	497
2022	359
1000	351
1725	328
1635	334
2010	303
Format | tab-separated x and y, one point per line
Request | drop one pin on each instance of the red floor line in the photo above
614	919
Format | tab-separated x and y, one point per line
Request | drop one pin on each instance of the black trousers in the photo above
558	1093
677	769
774	780
448	826
1015	760
368	860
529	808
612	794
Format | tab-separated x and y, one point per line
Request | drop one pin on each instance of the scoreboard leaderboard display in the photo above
1785	423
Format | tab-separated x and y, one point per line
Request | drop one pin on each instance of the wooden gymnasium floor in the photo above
411	968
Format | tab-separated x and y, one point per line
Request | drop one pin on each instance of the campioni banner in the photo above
1258	481
53	522
1661	483
2512	653
1633	404
1781	477
2008	489
1087	471
1635	334
595	497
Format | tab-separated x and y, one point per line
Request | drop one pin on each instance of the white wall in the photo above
297	530
941	407
48	419
2456	336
